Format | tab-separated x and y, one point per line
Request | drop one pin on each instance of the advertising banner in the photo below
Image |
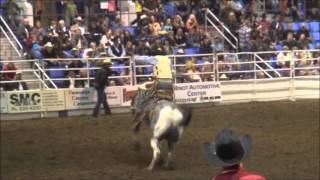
128	92
114	95
200	92
3	102
52	100
83	98
24	101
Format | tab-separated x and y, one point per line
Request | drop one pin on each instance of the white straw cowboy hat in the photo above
79	18
48	44
107	61
228	149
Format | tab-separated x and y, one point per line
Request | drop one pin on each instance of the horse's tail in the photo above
187	115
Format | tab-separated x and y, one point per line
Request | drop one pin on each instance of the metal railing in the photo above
225	30
6	30
206	67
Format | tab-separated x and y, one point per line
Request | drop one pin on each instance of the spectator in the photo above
49	52
8	76
205	47
303	30
91	52
126	37
78	25
157	48
79	41
180	38
142	48
38	30
193	39
232	58
207	68
71	12
65	46
305	62
167	47
303	41
106	39
24	35
290	42
117	49
228	151
193	73
289	30
52	28
217	45
244	36
154	26
11	13
283	61
178	23
192	23
19	85
62	29
264	24
130	48
168	27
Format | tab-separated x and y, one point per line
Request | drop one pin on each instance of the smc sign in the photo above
26	101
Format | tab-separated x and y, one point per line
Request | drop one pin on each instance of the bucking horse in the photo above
166	119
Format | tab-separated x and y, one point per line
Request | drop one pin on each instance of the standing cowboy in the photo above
101	81
228	151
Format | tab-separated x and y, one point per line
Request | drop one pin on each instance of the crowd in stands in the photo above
169	27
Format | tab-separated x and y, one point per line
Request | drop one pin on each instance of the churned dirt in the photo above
285	144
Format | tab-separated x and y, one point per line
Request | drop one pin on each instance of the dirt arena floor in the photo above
285	144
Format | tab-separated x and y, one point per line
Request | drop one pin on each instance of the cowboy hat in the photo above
107	61
228	149
79	18
48	44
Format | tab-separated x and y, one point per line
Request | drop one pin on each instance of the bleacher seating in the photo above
314	26
191	50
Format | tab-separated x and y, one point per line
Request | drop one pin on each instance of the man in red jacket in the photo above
228	151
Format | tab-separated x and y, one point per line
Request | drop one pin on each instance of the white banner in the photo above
83	98
3	102
200	92
113	95
24	101
128	92
52	100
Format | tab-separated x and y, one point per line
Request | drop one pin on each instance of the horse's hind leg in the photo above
156	153
170	151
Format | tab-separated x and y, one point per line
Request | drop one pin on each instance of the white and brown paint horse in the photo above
166	119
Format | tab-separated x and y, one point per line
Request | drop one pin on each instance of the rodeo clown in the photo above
228	151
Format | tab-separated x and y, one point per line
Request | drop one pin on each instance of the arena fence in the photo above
203	78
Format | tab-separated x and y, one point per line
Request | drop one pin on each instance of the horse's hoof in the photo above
150	168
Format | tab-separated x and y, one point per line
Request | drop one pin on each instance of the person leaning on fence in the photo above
101	81
228	151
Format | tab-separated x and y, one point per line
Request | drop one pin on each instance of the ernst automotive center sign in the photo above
197	92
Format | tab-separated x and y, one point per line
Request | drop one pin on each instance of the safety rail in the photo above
33	70
225	29
15	41
209	67
89	69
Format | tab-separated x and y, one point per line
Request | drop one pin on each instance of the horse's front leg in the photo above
156	153
136	128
